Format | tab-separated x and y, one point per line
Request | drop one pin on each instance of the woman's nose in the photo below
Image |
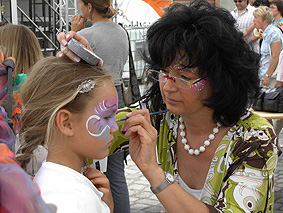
169	84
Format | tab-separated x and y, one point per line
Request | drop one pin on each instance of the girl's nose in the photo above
114	128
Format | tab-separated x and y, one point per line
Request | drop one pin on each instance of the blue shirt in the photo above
277	22
270	35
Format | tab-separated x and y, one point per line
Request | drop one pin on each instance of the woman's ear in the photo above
89	7
64	123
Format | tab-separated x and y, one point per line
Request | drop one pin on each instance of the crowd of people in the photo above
202	149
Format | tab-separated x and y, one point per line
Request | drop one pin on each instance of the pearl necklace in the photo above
205	144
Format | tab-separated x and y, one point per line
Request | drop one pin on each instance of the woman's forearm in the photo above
174	198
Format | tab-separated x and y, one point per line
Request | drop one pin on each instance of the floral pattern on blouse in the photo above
251	185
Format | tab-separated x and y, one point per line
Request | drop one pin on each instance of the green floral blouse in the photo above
251	185
246	190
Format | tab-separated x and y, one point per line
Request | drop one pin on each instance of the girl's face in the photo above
97	123
182	101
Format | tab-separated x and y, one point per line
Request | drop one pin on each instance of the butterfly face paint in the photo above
199	86
181	66
99	124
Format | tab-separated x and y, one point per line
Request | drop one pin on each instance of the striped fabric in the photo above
244	21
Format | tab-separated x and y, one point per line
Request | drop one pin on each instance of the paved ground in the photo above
142	199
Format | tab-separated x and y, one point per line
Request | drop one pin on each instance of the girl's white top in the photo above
68	190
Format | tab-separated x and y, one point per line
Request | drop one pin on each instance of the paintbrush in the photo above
152	113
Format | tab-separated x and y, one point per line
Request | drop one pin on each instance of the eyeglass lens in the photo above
162	77
238	1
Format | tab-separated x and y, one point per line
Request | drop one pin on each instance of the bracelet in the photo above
268	76
169	179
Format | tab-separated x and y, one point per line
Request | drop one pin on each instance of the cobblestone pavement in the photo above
142	200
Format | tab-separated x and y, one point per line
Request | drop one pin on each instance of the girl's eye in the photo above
110	116
107	118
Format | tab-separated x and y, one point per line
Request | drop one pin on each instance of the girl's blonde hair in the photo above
21	43
103	7
264	13
52	84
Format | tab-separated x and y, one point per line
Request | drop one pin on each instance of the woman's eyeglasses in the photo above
240	1
161	76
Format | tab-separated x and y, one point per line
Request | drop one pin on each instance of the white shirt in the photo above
244	21
68	190
195	192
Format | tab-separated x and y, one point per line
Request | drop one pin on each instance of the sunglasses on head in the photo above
238	1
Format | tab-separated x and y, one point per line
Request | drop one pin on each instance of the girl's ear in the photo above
64	123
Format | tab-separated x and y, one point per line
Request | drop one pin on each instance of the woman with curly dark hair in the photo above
222	155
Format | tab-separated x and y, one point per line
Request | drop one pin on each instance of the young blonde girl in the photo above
70	109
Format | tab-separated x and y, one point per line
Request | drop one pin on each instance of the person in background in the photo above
17	191
258	3
270	51
257	33
222	155
73	125
271	44
21	43
110	42
243	14
276	8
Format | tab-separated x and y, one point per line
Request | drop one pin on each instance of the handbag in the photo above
269	100
131	93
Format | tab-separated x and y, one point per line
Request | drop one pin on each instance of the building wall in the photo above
228	4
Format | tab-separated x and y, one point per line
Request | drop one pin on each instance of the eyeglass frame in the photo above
173	78
240	1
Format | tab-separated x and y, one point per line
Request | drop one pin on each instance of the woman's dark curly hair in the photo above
210	40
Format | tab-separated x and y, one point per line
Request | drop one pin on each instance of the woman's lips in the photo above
171	101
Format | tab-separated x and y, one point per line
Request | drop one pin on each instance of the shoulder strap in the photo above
133	77
10	67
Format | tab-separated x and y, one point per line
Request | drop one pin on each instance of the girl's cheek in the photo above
94	125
